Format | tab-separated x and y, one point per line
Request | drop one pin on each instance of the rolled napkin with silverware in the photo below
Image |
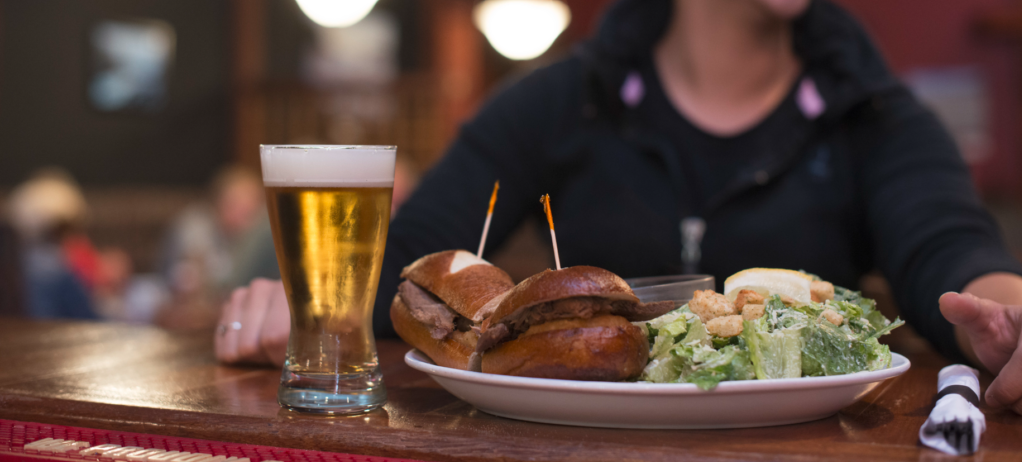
956	423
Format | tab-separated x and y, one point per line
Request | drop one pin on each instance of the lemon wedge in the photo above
770	281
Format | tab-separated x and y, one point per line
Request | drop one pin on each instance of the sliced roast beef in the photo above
492	336
510	327
429	310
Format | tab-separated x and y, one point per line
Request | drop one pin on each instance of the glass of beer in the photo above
330	208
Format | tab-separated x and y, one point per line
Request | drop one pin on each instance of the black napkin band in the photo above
962	390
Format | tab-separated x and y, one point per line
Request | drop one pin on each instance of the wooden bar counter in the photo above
142	379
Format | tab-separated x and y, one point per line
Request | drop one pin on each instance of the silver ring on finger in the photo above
223	328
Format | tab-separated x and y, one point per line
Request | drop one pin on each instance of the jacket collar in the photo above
844	66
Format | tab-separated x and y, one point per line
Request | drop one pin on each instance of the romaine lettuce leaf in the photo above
847	309
777	315
666	369
830	350
878	321
683	330
741	365
867	306
774	355
665	331
676	328
707	367
774	341
696	333
890	325
669	317
662	344
721	342
650	332
670	355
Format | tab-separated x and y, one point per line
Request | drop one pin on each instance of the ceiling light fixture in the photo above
336	13
521	29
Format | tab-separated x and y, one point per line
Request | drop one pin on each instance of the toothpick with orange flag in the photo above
489	217
550	219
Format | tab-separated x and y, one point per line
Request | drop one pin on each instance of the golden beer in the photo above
329	238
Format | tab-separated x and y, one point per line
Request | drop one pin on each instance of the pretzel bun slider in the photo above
573	324
443	300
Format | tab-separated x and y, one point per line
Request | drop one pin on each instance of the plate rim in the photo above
415	359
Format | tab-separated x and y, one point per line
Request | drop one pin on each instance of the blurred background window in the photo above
130	65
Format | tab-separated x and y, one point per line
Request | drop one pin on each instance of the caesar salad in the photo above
768	324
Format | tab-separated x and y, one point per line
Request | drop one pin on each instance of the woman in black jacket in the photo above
772	130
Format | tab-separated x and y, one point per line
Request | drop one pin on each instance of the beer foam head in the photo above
328	166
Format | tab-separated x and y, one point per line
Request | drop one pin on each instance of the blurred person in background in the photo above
64	274
215	245
60	266
775	124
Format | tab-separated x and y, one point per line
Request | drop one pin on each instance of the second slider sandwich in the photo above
573	323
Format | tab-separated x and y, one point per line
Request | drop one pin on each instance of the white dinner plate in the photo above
748	403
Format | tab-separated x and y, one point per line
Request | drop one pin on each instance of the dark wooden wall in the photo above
46	119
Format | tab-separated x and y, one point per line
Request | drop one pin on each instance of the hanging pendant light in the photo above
336	13
521	29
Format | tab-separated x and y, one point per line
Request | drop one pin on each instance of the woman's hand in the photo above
994	332
254	325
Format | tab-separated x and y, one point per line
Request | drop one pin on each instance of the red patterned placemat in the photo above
14	435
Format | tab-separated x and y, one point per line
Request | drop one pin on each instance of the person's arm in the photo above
988	328
931	233
933	238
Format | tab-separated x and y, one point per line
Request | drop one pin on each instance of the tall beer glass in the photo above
330	208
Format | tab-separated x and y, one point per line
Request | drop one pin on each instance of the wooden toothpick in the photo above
489	217
550	219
